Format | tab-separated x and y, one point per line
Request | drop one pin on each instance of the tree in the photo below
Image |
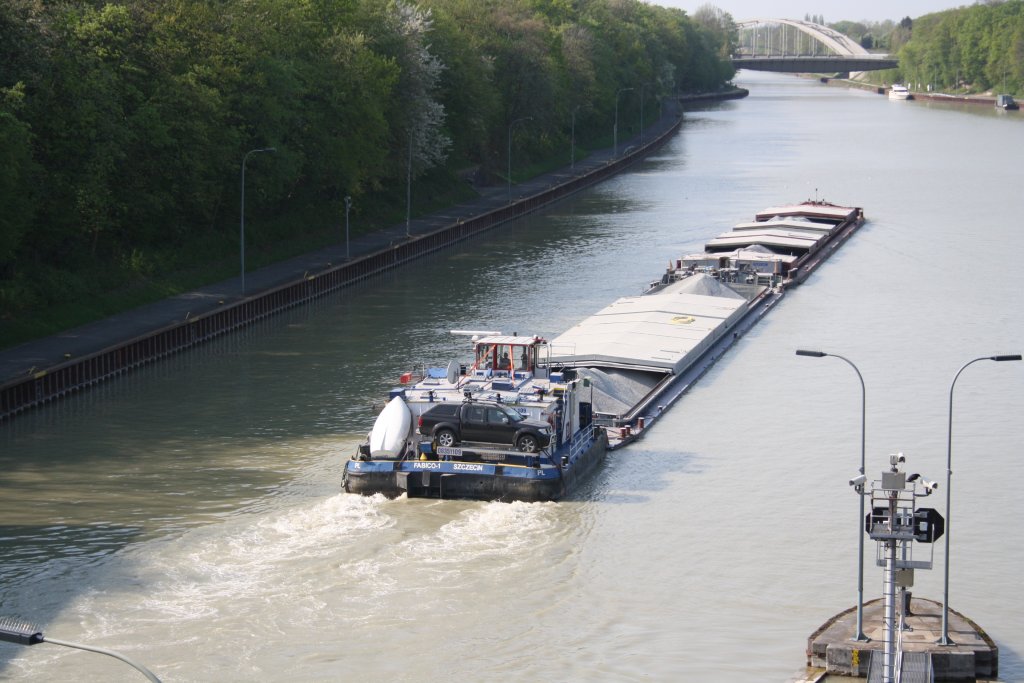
417	115
134	115
720	26
17	171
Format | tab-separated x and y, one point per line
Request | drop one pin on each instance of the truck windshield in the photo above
512	415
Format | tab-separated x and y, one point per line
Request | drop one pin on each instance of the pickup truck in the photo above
449	424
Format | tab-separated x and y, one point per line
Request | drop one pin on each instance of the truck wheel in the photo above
445	438
527	443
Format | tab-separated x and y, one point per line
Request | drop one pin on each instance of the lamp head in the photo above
20	632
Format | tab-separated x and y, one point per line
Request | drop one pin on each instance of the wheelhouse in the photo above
509	354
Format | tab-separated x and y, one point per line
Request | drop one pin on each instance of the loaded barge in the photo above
537	416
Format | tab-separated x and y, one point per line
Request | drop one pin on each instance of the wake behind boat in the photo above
522	418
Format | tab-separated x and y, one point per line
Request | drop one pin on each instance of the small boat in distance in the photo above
899	92
1006	103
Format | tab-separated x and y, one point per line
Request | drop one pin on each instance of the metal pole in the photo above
110	653
242	237
572	163
889	646
642	112
348	205
615	128
509	179
408	190
859	635
24	633
944	639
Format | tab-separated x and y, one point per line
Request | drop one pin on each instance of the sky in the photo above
831	10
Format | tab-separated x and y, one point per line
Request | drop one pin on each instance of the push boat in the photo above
602	383
511	370
1006	103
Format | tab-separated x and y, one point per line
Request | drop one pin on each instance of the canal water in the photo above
190	516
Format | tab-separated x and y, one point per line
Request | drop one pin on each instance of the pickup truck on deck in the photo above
449	424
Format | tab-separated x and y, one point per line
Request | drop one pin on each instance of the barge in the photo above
511	371
603	382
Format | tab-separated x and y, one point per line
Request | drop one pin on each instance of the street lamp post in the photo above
860	517
242	238
408	191
944	639
642	112
615	128
348	205
24	633
514	122
572	162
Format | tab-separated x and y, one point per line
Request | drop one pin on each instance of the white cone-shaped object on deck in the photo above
391	430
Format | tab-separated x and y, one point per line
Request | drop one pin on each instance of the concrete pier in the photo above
973	656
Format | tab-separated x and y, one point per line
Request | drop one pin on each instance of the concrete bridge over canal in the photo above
802	47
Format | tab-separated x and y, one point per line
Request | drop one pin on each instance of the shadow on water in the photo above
71	510
36	558
31	551
629	475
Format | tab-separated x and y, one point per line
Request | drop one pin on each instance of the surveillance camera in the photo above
858	480
930	485
913	477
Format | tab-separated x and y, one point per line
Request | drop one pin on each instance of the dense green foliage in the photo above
967	50
123	125
981	46
872	35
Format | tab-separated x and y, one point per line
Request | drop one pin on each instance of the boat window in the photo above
483	356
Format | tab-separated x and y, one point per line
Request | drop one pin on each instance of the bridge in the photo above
802	47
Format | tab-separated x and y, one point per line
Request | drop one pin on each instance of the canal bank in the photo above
47	369
976	99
